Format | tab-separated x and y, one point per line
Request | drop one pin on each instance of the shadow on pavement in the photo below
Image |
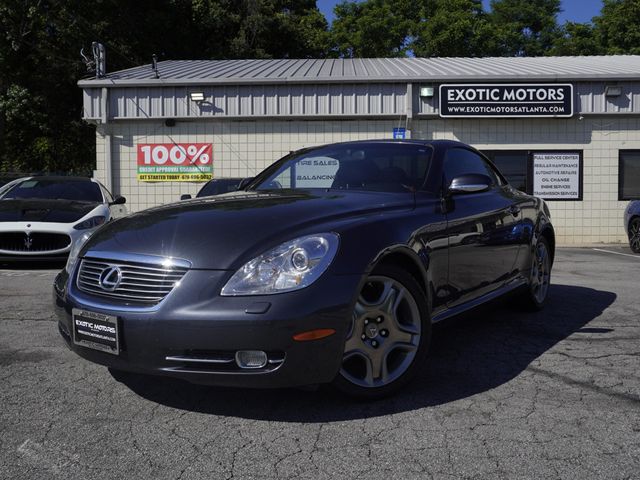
472	354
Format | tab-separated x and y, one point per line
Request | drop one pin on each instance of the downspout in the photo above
409	110
104	119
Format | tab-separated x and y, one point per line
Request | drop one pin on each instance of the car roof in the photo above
60	178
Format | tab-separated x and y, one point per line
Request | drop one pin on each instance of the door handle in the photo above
514	210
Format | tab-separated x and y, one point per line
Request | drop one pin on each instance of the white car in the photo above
42	217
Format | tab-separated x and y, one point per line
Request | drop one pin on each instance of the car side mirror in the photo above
244	182
470	183
185	196
119	200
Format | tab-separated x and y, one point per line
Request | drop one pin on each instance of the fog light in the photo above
251	358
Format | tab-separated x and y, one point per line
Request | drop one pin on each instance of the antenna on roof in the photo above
154	65
99	59
90	64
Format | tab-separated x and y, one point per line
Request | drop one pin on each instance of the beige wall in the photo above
242	149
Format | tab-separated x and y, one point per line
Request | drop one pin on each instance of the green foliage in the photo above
40	40
618	27
40	64
452	28
525	27
373	28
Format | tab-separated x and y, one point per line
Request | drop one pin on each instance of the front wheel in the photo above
389	335
634	235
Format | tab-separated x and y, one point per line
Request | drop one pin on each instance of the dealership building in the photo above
564	128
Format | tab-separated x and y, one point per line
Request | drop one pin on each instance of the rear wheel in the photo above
389	335
634	235
540	279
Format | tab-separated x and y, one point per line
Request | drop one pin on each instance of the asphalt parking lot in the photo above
505	395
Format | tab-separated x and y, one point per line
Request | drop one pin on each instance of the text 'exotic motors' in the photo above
506	100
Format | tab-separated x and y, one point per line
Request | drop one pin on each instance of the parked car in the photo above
632	225
216	186
41	217
330	266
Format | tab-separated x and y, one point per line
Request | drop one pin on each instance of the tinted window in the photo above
383	167
55	189
218	186
460	161
629	175
513	165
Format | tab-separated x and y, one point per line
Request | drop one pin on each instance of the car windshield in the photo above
79	190
218	186
381	167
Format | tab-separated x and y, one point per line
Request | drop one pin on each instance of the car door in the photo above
480	228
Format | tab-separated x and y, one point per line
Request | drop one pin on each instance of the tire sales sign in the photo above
175	162
556	176
506	100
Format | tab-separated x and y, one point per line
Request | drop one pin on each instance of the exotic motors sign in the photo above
175	162
556	176
506	100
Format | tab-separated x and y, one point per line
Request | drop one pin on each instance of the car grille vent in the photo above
33	242
137	282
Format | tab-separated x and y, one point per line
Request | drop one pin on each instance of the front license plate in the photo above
95	330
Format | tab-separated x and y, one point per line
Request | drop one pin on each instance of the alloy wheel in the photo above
384	336
634	235
540	272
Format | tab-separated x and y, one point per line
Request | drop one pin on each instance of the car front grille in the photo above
139	282
38	242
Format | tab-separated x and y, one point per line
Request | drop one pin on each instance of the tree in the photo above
40	41
453	28
525	27
373	28
618	27
576	39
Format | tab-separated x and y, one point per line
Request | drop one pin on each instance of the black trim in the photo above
621	197
529	173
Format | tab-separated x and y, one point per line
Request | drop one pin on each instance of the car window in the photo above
55	189
218	186
386	167
460	161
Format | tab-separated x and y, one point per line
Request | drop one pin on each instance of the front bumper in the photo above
193	321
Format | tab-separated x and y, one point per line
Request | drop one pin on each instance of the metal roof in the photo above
194	72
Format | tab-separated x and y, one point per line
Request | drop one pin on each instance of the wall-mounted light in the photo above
613	90
426	91
197	97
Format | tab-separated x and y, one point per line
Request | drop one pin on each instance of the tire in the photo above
634	235
389	336
535	296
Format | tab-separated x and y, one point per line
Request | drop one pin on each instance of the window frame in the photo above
621	151
529	181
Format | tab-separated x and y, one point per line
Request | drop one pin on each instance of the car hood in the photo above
41	210
225	231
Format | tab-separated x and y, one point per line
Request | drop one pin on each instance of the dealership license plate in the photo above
95	330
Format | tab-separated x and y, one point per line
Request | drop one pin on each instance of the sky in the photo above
573	10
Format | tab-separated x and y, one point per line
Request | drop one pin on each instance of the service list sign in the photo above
556	176
175	162
506	100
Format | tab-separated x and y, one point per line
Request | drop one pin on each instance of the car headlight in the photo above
291	266
75	250
91	222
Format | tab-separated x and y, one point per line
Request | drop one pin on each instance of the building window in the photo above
514	166
629	175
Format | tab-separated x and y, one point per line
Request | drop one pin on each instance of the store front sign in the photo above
175	162
506	100
557	176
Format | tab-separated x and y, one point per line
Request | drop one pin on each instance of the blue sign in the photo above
399	133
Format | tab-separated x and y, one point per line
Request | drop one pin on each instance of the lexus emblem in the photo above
110	278
28	241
